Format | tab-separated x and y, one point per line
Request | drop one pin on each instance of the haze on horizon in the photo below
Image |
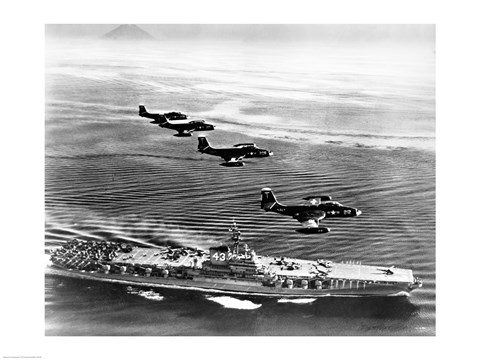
400	33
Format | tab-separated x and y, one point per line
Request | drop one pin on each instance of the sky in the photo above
292	32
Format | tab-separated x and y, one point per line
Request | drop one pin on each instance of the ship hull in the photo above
241	286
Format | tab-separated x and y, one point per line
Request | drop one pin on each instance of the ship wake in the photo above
297	301
147	294
233	303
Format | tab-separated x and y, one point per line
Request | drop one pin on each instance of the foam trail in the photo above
297	301
232	303
150	294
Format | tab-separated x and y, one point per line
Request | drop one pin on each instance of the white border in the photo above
23	163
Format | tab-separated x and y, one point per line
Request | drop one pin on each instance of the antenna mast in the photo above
235	236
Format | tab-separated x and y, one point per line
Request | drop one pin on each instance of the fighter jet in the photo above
233	155
176	121
319	208
388	271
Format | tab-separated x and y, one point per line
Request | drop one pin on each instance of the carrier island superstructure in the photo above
234	270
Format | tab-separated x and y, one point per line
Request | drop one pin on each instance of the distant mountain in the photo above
128	32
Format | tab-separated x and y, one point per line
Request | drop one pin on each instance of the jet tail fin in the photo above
157	118
268	199
203	143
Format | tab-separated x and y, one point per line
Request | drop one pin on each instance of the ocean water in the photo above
354	122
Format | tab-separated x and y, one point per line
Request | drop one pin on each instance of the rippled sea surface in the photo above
354	123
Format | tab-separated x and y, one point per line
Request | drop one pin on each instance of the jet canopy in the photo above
318	199
175	116
333	203
245	145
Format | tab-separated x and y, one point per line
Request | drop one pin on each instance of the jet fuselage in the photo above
331	210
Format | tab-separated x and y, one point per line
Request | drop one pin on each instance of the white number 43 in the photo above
220	257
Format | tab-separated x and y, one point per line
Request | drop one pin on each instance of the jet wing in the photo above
233	159
156	117
310	218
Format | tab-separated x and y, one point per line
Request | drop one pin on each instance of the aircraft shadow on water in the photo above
320	207
232	155
179	122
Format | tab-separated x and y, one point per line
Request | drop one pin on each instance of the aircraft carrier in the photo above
234	270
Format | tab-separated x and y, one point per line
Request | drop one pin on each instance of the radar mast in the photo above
235	237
